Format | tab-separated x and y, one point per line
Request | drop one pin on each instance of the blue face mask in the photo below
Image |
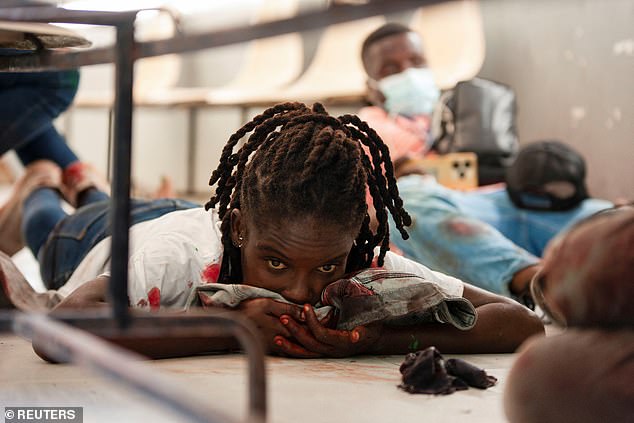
410	93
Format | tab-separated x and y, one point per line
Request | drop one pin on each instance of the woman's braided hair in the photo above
301	162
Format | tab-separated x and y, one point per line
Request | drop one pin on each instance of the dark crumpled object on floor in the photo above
427	372
470	374
424	372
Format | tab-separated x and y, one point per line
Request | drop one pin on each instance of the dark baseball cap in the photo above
547	175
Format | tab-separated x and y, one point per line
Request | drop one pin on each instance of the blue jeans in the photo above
29	102
61	241
480	237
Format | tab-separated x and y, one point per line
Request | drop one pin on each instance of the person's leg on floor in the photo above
84	185
42	212
91	195
529	229
47	145
38	174
445	238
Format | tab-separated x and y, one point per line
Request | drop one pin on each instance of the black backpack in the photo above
478	116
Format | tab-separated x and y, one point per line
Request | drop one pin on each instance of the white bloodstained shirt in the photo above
169	257
172	255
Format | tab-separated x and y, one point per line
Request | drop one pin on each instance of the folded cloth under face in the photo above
370	296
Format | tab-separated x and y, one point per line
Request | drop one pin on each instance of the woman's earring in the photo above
240	241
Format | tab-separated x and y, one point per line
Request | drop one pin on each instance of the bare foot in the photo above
166	189
6	174
78	177
41	173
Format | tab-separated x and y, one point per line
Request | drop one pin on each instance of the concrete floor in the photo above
362	389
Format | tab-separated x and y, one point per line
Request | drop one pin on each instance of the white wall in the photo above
571	63
160	135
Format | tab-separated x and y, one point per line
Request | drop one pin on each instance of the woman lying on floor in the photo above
289	217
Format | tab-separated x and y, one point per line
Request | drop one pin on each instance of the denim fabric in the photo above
530	229
41	212
478	236
77	234
29	102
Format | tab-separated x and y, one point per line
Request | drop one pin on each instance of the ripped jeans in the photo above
478	236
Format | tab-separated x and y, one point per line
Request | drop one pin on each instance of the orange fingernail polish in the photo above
355	336
284	320
278	342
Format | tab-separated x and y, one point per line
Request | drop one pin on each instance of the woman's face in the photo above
296	258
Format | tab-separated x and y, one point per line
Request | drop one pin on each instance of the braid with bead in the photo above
300	162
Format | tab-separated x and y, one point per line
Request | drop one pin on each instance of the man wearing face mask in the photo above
490	237
401	89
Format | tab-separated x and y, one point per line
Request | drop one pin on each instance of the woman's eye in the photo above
327	268
276	264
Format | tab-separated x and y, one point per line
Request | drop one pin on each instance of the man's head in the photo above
391	49
292	200
394	60
586	279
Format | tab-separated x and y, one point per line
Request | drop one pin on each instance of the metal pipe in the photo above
70	336
122	148
209	323
192	148
187	43
66	343
58	14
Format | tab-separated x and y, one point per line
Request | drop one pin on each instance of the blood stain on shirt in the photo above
154	298
210	273
462	227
